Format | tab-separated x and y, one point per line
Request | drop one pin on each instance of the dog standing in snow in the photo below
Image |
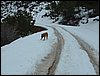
44	36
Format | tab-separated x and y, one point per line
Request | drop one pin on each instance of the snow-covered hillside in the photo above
24	55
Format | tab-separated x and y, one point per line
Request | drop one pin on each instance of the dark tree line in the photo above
66	8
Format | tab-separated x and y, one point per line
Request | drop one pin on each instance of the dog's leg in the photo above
41	36
44	38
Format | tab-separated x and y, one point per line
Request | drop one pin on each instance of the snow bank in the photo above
21	56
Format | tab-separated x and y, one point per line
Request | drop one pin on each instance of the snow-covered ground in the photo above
73	60
22	55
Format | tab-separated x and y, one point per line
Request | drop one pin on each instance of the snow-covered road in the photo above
94	57
64	53
71	44
49	65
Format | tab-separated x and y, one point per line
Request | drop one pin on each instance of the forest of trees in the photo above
18	24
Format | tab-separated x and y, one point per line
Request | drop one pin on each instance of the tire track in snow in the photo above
94	57
50	62
60	44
